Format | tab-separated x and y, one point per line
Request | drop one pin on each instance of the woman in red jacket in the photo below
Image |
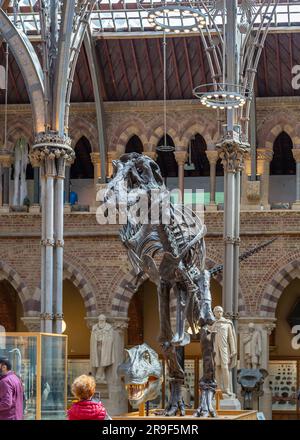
83	389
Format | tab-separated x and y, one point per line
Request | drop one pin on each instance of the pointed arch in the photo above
72	274
274	289
9	274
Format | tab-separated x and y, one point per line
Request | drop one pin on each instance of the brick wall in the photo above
100	260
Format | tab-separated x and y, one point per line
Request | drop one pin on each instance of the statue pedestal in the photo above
102	388
231	403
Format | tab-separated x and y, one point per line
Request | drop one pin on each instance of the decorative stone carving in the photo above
6	160
232	154
101	349
296	154
212	156
181	157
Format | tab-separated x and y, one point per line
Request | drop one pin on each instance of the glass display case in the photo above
283	384
40	360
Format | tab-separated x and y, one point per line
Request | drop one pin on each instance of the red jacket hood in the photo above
87	410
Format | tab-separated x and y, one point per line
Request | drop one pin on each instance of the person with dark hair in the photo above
11	393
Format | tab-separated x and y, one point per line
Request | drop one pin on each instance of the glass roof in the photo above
124	16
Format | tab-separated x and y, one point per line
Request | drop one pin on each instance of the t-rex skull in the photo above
141	373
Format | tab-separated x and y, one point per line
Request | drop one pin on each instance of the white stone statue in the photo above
225	349
252	347
101	348
20	164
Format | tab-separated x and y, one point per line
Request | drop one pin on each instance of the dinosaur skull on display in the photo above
142	374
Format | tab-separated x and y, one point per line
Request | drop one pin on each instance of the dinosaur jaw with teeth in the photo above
138	393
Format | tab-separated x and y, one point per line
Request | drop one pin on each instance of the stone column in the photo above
181	158
96	160
6	161
111	155
296	154
212	156
265	326
52	152
264	157
35	207
67	186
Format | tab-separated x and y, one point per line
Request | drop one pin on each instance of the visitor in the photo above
11	393
83	388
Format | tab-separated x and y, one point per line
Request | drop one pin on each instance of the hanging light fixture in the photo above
165	147
176	18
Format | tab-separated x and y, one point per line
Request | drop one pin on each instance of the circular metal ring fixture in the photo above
176	19
165	148
227	96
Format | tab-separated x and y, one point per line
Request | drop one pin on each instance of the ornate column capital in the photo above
296	154
212	156
181	157
113	155
151	154
265	154
6	160
53	152
95	158
232	153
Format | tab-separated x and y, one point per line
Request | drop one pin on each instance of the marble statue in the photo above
225	350
252	347
20	164
101	349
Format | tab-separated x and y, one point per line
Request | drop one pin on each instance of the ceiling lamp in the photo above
176	19
227	96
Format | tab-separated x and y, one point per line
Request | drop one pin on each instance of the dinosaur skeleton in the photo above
172	255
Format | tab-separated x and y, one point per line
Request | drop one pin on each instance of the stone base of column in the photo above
67	208
35	209
4	209
211	207
296	205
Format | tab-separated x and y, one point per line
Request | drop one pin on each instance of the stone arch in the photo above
72	274
274	125
17	131
30	67
275	288
124	132
80	127
198	127
9	274
123	294
156	132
